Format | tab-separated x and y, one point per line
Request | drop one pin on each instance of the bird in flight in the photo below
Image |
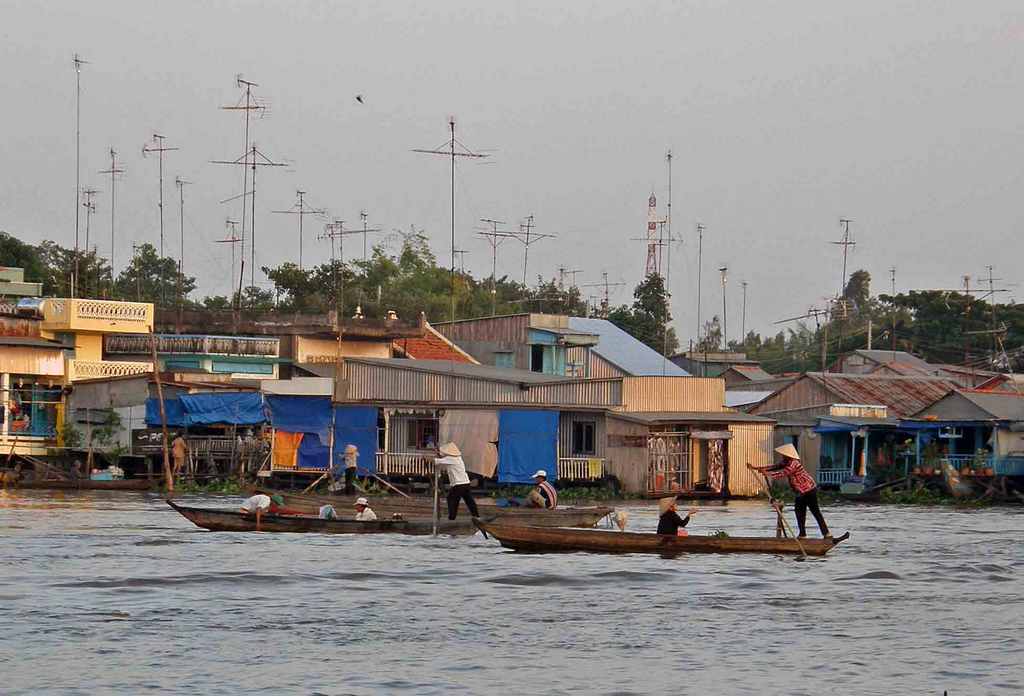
359	98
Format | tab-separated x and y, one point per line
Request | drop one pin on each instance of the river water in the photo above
115	593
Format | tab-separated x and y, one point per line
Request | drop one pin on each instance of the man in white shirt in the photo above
363	511
257	503
458	480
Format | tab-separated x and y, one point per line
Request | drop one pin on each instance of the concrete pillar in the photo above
5	396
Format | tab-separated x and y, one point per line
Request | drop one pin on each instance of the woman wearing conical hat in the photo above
458	480
802	484
670	522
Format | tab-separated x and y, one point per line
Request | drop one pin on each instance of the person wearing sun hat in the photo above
363	511
458	480
803	486
544	495
670	522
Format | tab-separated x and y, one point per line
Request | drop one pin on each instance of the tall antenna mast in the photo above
700	253
892	277
743	321
495	238
606	295
78	62
364	216
136	248
113	172
462	260
302	211
336	230
846	243
159	148
724	270
232	239
181	184
90	207
449	150
528	237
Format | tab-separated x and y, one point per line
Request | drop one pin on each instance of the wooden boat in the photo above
136	484
421	508
541	540
235	521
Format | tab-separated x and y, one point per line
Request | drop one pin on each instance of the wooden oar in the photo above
370	473
778	511
313	485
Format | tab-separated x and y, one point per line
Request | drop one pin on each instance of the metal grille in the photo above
668	462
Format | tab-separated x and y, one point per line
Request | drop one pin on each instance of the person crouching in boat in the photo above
458	480
802	484
363	511
670	522
544	494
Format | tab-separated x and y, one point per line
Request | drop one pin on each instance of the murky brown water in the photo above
115	593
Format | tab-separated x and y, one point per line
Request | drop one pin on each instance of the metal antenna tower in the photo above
78	62
364	216
232	239
136	248
606	296
159	148
495	238
846	243
743	321
892	277
88	194
448	149
700	255
724	270
336	230
462	260
528	237
181	184
302	211
563	272
114	171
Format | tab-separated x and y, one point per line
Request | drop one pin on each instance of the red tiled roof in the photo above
904	396
431	346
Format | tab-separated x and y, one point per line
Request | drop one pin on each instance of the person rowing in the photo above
670	522
802	484
458	480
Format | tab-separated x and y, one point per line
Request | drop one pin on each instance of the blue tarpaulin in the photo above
232	408
227	408
356	425
173	409
313	454
527	441
301	414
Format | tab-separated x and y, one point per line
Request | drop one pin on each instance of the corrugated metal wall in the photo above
627	454
673	394
565	427
751	442
383	383
802	394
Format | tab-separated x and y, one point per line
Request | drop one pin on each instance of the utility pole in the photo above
78	62
725	322
136	248
302	211
181	184
992	304
448	149
462	260
846	243
892	277
90	207
606	295
563	272
700	254
232	239
528	237
743	322
336	230
114	171
364	216
495	238
159	148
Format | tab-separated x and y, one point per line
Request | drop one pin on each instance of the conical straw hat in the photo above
665	503
788	450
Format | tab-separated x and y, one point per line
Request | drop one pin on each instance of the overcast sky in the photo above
783	117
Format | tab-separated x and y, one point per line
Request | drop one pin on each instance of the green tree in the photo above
17	253
149	278
58	264
648	318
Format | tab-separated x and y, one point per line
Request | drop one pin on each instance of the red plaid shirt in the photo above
799	480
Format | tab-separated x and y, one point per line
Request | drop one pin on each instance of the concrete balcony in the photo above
97	316
101	369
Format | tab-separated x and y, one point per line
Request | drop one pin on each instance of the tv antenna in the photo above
136	248
232	239
846	243
114	171
495	238
78	62
606	297
364	216
462	260
336	230
302	211
528	237
563	272
159	148
181	184
88	202
452	148
817	315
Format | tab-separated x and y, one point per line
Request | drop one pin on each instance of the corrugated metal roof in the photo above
904	396
625	352
1001	406
753	372
30	342
734	399
447	367
899	357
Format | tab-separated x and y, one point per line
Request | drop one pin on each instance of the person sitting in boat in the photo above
670	522
363	511
327	512
544	494
458	480
802	484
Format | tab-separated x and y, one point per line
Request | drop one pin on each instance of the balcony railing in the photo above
98	369
834	477
404	464
63	314
580	468
135	344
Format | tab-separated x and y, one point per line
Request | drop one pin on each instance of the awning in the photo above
216	408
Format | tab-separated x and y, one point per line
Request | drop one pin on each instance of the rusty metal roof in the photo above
904	396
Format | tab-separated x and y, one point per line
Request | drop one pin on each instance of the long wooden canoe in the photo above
139	484
540	540
420	508
235	521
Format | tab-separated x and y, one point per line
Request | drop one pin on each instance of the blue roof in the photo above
625	352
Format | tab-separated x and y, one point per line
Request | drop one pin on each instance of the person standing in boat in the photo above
458	480
670	522
179	449
363	511
544	494
802	484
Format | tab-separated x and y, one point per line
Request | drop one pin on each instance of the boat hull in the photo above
418	508
234	521
546	540
86	485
